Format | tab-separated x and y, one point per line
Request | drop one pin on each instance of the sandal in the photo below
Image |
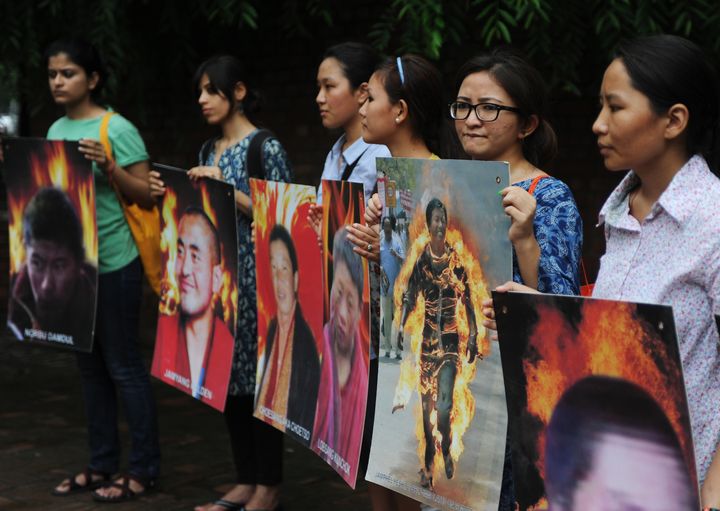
90	484
126	494
229	505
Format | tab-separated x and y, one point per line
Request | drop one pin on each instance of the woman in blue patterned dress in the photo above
226	100
499	115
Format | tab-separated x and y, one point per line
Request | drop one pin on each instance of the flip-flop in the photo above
126	494
229	505
89	485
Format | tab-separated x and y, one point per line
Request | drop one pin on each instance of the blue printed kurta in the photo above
559	232
276	167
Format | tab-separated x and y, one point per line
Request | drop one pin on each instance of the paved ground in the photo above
42	437
473	484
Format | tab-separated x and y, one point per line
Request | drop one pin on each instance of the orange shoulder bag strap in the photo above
534	183
587	288
144	224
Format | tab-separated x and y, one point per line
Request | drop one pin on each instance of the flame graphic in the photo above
50	167
606	342
226	298
463	409
169	294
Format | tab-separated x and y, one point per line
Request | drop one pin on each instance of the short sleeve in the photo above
127	144
559	233
276	162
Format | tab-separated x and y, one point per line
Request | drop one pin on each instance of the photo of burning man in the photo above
617	438
288	265
597	408
342	396
194	340
440	417
441	280
53	243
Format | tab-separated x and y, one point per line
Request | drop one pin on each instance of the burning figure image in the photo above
53	243
195	333
440	279
54	291
440	415
597	410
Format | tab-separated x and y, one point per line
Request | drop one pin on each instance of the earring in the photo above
397	120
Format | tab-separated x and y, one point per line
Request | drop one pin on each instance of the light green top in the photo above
116	247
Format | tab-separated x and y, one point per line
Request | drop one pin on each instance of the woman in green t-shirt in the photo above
114	371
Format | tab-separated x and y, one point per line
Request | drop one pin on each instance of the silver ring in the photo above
369	247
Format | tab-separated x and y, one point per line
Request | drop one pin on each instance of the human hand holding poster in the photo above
289	298
198	299
53	243
342	396
597	406
447	447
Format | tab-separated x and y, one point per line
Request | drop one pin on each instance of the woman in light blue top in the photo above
342	82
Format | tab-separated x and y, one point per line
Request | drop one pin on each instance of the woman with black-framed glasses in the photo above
499	114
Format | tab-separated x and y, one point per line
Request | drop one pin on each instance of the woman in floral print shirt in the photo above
659	115
226	100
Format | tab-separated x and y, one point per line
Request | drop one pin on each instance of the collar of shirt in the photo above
678	199
350	154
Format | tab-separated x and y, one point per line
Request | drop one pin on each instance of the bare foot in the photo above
80	480
240	494
265	497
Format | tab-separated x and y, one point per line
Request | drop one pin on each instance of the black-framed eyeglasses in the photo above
486	112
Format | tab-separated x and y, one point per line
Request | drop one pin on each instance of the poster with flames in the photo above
53	243
198	297
440	417
596	403
288	274
345	352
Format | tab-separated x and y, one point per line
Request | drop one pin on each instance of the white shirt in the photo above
364	171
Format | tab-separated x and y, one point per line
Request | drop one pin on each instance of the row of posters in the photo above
590	393
313	297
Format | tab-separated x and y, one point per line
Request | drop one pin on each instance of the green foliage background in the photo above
570	40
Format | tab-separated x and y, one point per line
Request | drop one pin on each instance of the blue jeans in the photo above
115	370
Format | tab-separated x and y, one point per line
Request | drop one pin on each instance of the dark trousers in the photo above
507	490
257	447
114	371
445	387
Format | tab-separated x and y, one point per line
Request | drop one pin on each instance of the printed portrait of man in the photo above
344	375
290	375
440	278
195	341
54	291
609	445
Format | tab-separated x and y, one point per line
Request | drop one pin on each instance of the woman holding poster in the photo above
659	113
342	89
546	228
404	111
228	101
114	370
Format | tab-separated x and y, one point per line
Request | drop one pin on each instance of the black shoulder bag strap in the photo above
350	167
254	159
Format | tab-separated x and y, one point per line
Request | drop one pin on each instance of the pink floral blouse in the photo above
673	258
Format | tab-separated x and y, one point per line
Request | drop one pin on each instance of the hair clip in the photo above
400	71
